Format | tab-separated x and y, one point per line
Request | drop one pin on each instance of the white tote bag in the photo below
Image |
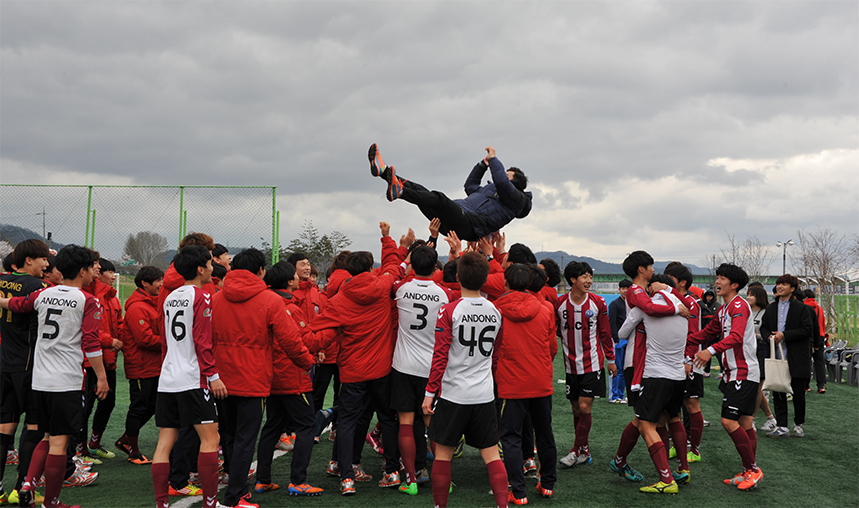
777	372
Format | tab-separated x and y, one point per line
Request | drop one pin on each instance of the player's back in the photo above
18	331
666	341
474	324
181	368
418	303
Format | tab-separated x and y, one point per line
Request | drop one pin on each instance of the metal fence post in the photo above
181	211
88	210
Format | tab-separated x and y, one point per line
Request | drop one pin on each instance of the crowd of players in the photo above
460	352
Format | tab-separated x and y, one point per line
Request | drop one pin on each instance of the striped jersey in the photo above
418	302
465	334
734	329
188	361
585	334
666	339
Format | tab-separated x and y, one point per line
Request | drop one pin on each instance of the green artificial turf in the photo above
817	471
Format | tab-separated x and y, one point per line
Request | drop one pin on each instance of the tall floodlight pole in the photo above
784	254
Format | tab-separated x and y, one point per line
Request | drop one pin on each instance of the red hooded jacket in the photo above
311	302
523	354
109	323
248	323
140	336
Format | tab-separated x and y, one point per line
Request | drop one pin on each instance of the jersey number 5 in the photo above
51	322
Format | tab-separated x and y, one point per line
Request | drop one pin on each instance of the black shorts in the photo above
740	398
407	392
16	397
695	386
191	407
478	422
631	396
657	395
60	413
590	385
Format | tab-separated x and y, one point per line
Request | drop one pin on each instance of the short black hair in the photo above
279	275
106	265
189	258
72	258
448	274
472	271
625	283
423	260
52	263
680	272
637	259
663	278
420	242
219	250
788	279
553	272
518	277
520	181
8	261
32	249
734	274
359	262
295	257
576	269
538	278
809	294
147	274
219	270
521	253
252	260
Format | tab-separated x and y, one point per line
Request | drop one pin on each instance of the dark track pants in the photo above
322	377
297	412
143	394
513	413
355	398
436	204
243	418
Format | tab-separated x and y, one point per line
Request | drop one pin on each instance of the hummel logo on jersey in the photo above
206	394
738	383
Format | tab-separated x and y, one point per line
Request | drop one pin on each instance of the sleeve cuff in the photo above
214	377
711	350
93	354
429	394
610	362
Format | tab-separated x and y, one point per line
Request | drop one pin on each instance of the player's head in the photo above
449	271
520	181
809	294
149	279
280	275
757	295
359	262
727	275
553	272
31	256
252	260
518	277
423	261
661	277
301	263
576	269
221	255
107	272
203	239
520	253
76	262
639	262
417	243
9	263
192	261
681	274
472	271
339	263
538	278
51	274
219	271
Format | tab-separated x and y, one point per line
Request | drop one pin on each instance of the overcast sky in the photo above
641	125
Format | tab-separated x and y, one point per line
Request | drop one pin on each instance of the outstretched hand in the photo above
455	244
485	246
500	242
490	154
434	227
386	229
407	239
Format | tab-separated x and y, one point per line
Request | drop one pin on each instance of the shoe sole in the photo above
395	188
306	494
372	154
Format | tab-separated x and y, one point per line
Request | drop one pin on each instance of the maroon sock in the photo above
628	440
696	430
753	441
744	447
161	481
406	440
498	482
663	435
583	429
37	463
95	440
440	482
678	435
55	471
207	464
132	445
660	460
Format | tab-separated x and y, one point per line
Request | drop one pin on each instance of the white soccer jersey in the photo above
462	359
189	362
68	328
585	334
666	340
418	303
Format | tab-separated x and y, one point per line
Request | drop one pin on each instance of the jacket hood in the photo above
103	290
363	288
242	285
526	209
139	296
518	306
172	280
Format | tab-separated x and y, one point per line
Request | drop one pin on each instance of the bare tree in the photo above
147	248
733	253
757	258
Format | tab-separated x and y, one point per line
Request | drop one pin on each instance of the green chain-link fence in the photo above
104	216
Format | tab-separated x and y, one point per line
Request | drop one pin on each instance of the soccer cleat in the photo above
822	391
547	493
706	423
347	487
797	431
187	490
84	459
389	480
332	436
333	469
751	479
569	460
286	443
4	498
251	474
735	480
409	488
304	489
530	468
12	457
245	502
102	452
377	165
422	476
779	432
139	459
80	479
511	499
124	448
672	453
681	476
60	504
323	419
460	447
769	426
584	459
693	457
259	488
360	474
376	443
661	488
395	187
626	472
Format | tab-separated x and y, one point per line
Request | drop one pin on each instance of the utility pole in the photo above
44	237
784	254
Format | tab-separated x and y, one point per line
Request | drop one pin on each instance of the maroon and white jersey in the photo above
694	323
735	330
666	339
68	329
188	361
465	336
418	303
585	334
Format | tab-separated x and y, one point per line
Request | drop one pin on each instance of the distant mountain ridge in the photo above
602	267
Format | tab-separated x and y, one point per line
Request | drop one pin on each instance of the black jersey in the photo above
18	331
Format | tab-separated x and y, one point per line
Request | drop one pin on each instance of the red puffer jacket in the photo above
248	322
523	354
140	336
109	321
312	302
288	378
